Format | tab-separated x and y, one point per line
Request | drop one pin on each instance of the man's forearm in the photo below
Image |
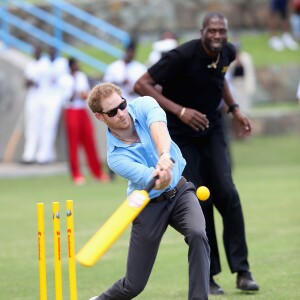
161	137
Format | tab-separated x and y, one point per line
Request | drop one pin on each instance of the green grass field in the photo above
267	174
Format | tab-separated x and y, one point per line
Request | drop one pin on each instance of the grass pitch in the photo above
267	175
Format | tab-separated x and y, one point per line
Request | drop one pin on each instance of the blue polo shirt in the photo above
137	162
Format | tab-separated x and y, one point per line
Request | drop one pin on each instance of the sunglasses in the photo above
111	113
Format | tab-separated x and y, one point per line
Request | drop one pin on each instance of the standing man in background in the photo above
242	79
125	72
193	86
35	81
298	93
295	19
168	41
79	127
52	104
279	26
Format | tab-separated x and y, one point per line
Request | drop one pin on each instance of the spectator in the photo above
241	78
280	35
193	86
168	41
298	93
79	127
124	72
35	80
52	103
295	19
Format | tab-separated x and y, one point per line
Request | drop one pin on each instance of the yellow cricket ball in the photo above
202	193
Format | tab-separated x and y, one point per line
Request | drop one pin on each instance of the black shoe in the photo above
245	282
214	288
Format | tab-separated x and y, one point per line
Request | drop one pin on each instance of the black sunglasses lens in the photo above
114	111
123	105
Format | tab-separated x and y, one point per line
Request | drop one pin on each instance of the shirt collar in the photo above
203	53
112	141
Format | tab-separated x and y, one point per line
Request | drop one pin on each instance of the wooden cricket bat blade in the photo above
111	230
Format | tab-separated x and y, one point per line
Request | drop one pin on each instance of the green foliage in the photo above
266	172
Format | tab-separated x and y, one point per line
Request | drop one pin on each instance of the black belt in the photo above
170	194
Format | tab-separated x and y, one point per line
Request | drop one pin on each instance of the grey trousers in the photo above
184	214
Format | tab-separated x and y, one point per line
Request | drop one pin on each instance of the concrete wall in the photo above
275	122
277	83
12	94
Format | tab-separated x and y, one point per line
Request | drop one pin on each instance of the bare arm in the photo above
161	137
162	141
145	85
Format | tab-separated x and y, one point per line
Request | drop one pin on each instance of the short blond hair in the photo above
100	92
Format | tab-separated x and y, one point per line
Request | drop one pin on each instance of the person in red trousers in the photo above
79	127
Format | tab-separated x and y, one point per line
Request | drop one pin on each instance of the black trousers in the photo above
208	163
184	214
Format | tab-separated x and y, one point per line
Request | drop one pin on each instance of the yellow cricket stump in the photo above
57	251
71	249
41	250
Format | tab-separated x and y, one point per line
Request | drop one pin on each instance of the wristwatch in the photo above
232	107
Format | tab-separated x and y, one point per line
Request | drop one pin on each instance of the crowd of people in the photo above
57	89
284	24
43	105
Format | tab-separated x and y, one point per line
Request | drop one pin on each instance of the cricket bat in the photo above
111	230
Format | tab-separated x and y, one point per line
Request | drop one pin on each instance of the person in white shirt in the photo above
52	102
279	26
35	79
167	42
125	72
298	93
241	78
79	127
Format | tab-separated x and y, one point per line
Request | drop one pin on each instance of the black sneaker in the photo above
245	282
214	288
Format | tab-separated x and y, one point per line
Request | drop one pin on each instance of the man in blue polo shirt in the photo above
139	147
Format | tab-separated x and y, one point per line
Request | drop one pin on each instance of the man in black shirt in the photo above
193	86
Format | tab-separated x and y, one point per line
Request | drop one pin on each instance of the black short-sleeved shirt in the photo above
186	80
